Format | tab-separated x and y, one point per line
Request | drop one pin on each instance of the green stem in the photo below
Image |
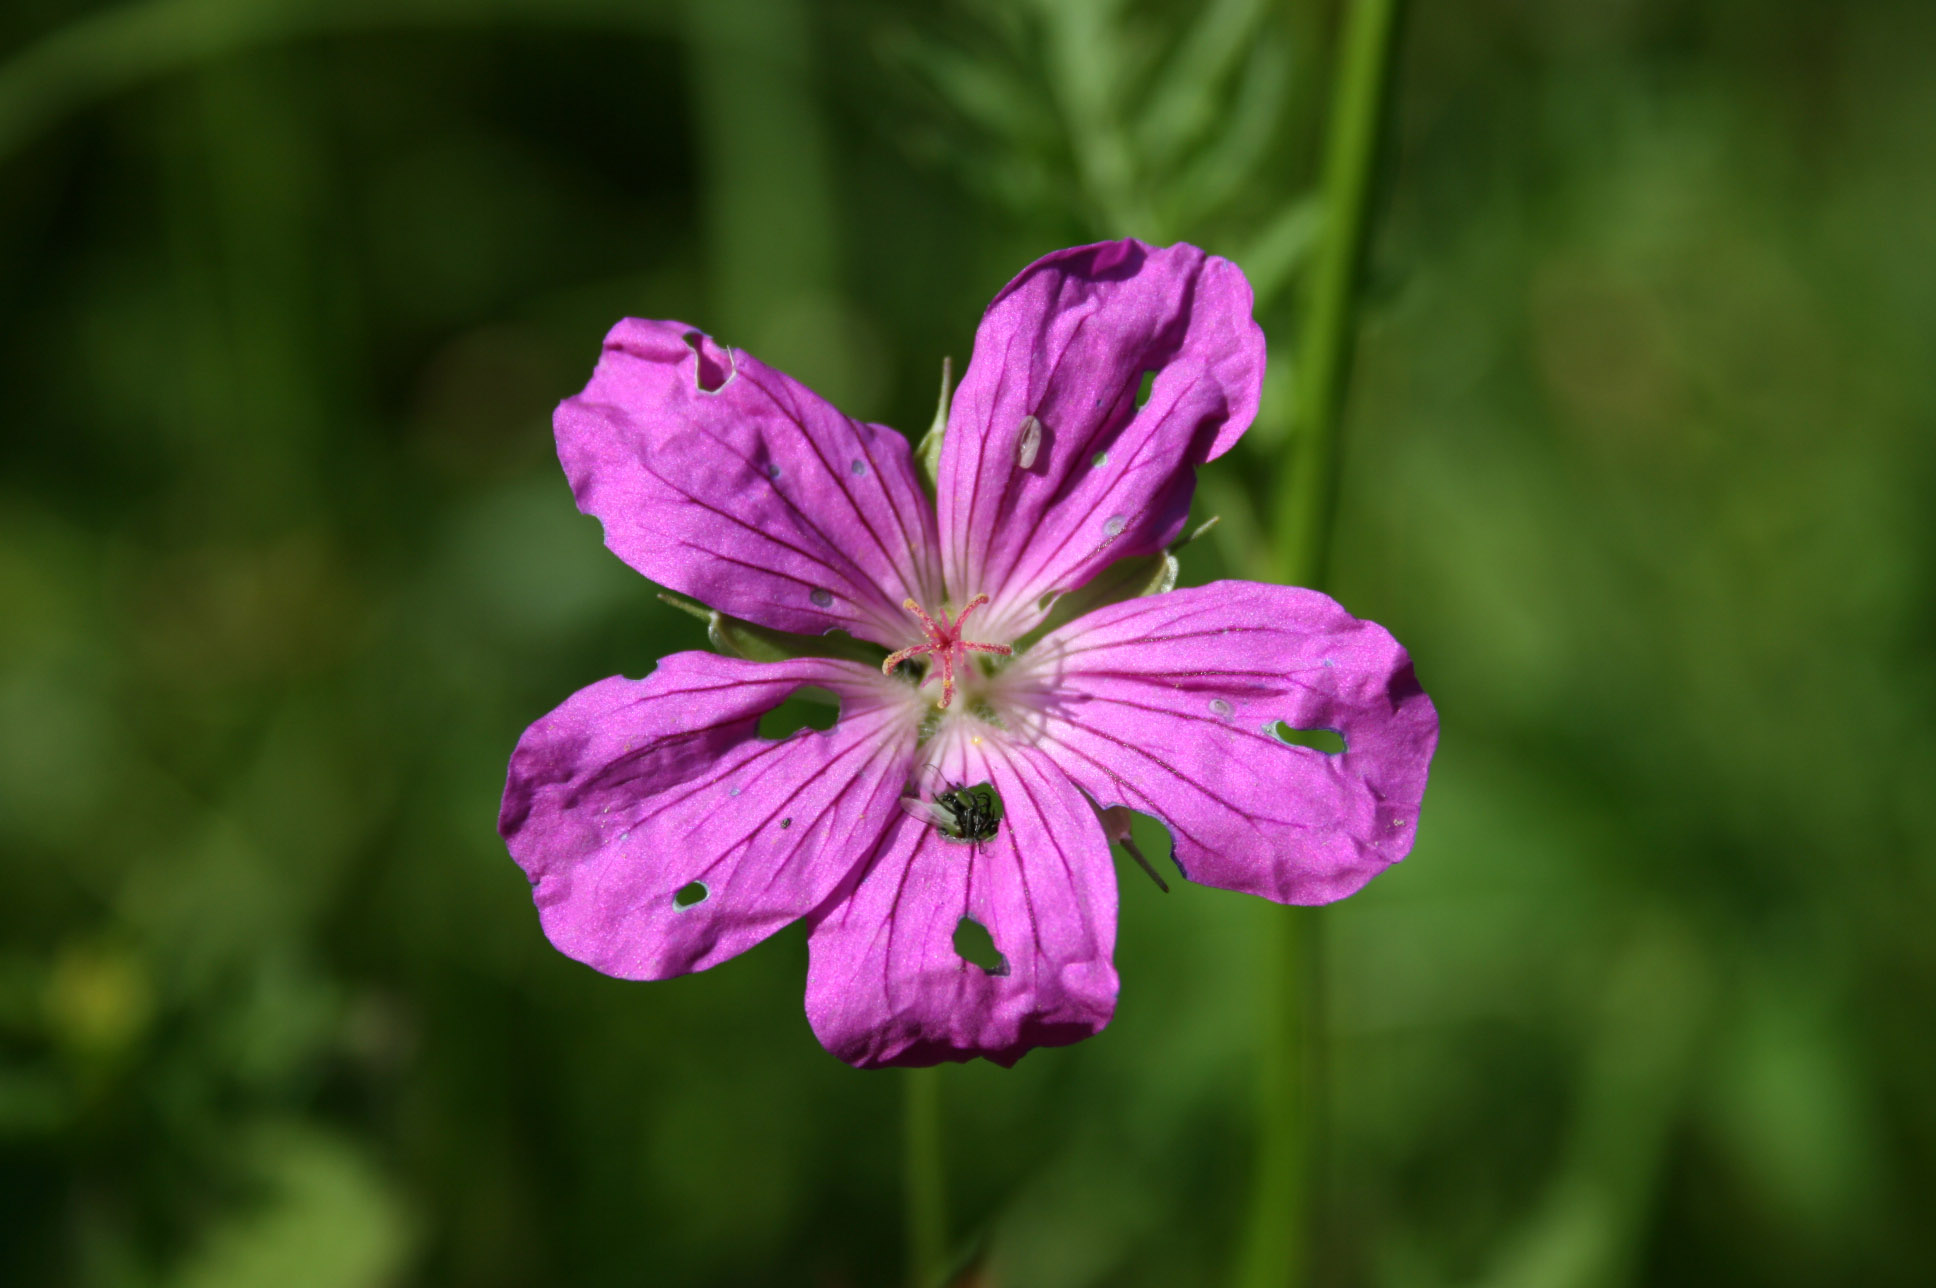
926	1180
1277	1249
1308	477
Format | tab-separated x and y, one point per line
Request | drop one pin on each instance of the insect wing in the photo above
928	812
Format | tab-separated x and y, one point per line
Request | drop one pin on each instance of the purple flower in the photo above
662	834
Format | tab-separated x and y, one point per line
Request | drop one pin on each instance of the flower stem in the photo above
1277	1248
925	1179
1309	471
1308	475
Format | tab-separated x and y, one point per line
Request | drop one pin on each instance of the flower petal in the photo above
885	984
1169	705
723	479
1059	358
634	789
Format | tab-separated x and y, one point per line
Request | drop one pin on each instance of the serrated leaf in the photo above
1252	117
985	94
1184	105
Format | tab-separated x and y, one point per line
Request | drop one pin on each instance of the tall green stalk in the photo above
1308	472
1277	1250
926	1180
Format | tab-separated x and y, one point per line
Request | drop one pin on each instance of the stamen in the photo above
966	609
895	659
943	643
928	624
947	678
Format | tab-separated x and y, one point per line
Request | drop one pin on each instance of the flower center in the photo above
944	644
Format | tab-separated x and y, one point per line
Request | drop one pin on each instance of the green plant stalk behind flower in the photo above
926	1179
1276	1249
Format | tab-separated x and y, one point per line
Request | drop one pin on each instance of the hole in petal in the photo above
1114	527
1099	460
693	892
807	707
1327	741
974	945
715	366
1143	391
822	598
858	469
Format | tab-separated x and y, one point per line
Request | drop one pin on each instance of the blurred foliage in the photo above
1639	464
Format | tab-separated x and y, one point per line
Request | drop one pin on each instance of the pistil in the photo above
943	643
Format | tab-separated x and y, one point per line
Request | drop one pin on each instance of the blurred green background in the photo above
1638	463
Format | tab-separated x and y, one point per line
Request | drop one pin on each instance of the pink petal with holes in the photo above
1166	705
725	480
634	789
1066	343
885	985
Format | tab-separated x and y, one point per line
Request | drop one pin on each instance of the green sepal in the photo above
927	452
1125	579
736	637
739	638
1197	531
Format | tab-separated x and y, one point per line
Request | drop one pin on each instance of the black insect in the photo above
961	813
